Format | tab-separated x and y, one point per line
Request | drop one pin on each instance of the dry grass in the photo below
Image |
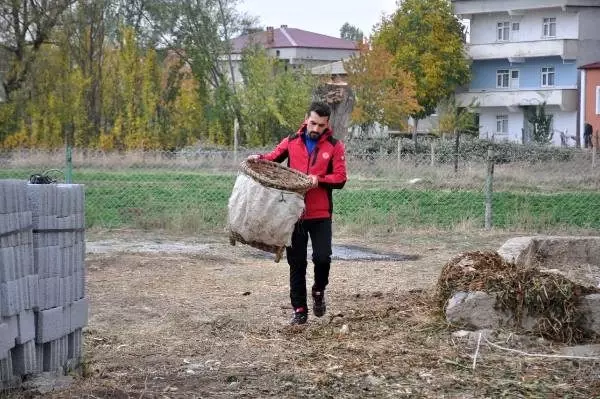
385	171
214	325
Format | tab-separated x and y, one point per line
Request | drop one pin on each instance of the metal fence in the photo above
392	186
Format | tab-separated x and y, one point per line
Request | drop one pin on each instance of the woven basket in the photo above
275	175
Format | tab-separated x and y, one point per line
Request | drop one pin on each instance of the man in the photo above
587	135
312	150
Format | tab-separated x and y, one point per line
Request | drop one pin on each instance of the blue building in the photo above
525	53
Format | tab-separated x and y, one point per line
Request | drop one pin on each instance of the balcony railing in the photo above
566	48
565	98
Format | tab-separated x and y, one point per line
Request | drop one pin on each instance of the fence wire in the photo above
391	186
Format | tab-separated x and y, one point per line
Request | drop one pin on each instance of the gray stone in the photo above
475	310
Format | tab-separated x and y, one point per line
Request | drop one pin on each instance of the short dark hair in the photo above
320	108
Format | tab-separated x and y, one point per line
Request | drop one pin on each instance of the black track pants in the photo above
320	237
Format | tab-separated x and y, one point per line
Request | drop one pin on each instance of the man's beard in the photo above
314	135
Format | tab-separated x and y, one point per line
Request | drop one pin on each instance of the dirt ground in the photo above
175	317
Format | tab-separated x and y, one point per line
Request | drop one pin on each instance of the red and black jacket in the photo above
327	162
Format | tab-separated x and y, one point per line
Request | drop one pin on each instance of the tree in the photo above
274	100
351	32
457	120
427	40
24	26
385	93
541	122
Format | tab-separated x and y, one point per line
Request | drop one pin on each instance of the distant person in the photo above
587	136
312	150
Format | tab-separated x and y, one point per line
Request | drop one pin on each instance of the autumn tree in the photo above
351	32
427	40
273	99
457	120
25	25
385	93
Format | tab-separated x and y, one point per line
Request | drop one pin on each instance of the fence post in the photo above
489	188
399	154
432	154
69	160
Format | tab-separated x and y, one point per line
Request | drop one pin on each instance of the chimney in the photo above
270	36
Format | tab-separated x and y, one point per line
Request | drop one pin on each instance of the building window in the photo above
515	26
502	80
503	29
502	124
549	27
548	77
597	100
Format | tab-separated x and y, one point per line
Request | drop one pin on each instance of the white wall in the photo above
565	122
487	124
483	26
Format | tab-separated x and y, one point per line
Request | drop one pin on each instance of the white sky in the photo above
319	16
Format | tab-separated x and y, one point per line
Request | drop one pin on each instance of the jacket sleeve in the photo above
336	175
279	154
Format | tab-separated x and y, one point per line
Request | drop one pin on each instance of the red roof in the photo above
285	37
593	65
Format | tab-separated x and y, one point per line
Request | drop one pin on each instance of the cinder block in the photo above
26	325
8	264
33	290
26	259
79	314
6	369
8	334
75	344
49	324
55	354
11	298
49	289
24	359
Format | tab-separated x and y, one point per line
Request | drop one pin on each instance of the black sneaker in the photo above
319	306
300	317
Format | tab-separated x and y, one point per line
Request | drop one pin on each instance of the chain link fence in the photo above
392	186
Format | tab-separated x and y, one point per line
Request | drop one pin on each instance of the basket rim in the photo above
303	183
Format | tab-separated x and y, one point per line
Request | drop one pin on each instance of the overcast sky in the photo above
319	16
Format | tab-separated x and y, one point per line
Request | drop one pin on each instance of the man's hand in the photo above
252	157
315	180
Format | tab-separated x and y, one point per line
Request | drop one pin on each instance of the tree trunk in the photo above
341	100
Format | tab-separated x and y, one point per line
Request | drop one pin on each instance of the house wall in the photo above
530	72
300	55
483	26
591	99
561	122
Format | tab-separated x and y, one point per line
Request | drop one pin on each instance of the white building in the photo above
296	48
525	53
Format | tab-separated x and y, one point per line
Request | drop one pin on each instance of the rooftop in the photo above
284	37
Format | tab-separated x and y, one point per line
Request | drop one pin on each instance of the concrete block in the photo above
11	298
24	359
26	326
79	314
6	369
55	354
8	264
26	259
33	290
50	324
76	344
589	306
7	336
49	293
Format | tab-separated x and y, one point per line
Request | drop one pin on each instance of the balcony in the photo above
565	98
568	49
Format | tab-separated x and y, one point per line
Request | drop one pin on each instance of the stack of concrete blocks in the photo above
42	274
